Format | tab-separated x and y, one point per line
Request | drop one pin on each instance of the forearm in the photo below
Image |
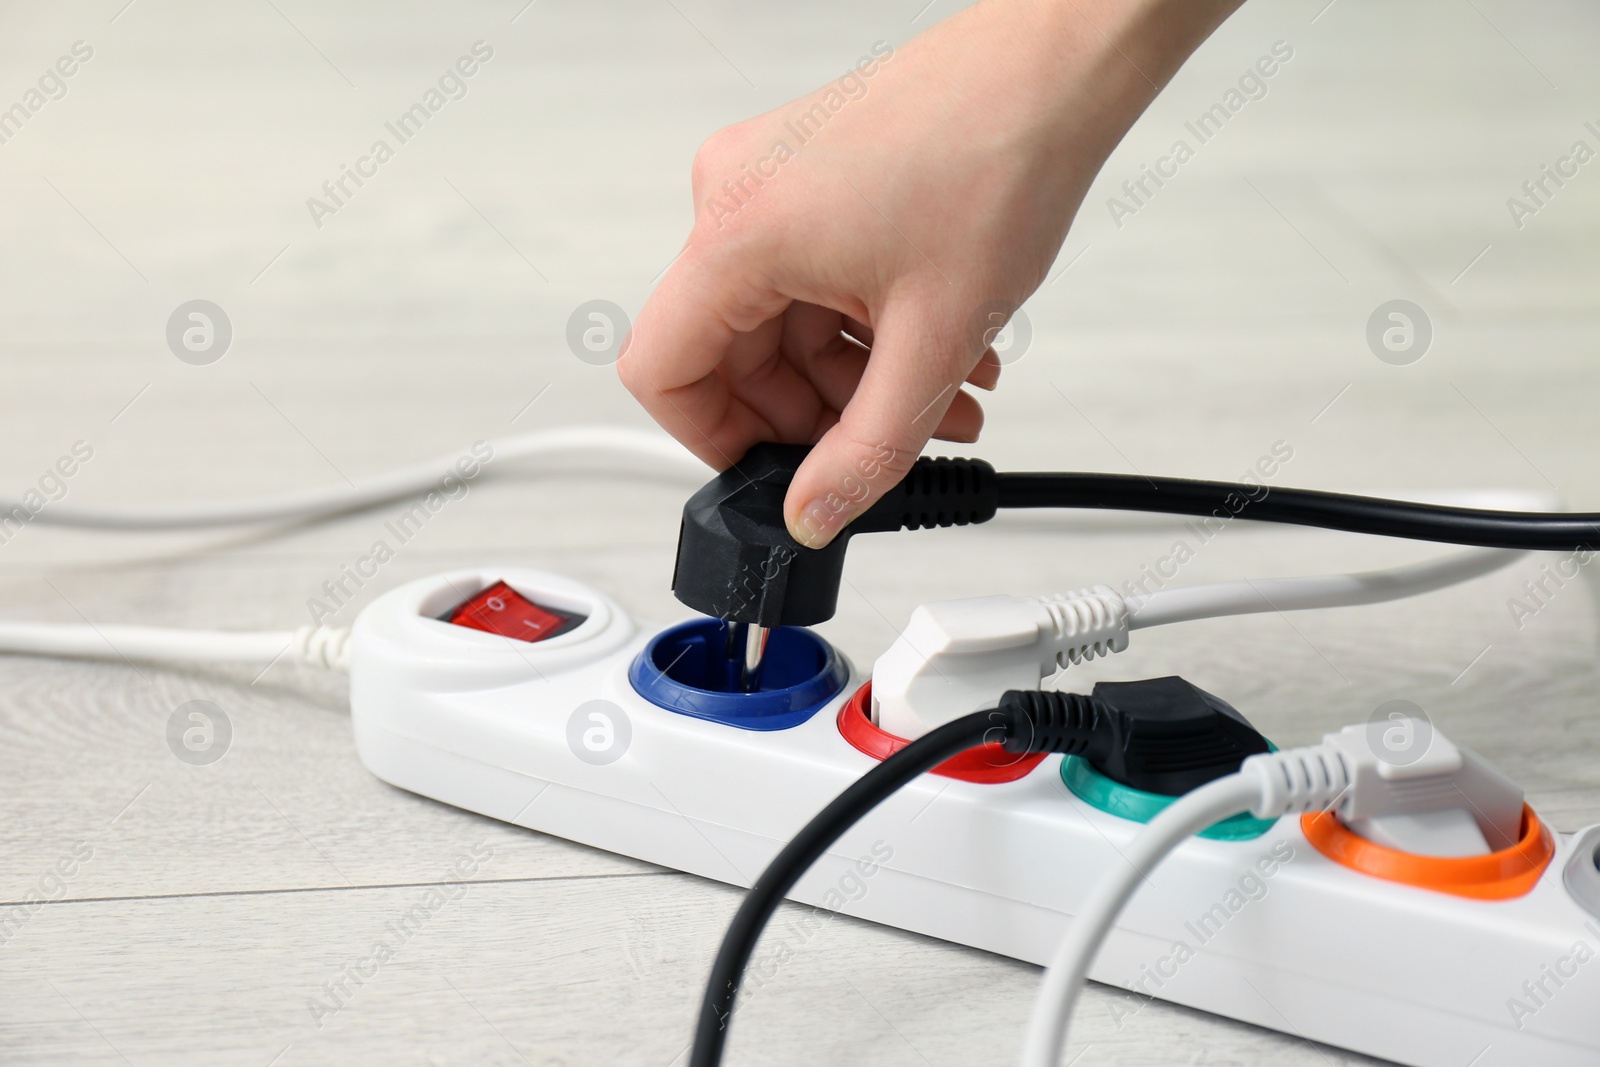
1119	52
1069	75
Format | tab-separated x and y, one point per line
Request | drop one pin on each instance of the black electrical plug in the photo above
1162	735
736	560
1159	735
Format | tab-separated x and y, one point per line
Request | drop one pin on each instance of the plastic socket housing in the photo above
685	669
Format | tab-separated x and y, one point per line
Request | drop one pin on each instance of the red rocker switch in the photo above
502	610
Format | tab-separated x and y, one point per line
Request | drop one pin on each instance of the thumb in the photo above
910	391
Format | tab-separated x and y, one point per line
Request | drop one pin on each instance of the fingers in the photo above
690	325
759	374
986	375
835	371
962	421
909	392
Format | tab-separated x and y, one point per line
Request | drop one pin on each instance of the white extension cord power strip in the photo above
554	736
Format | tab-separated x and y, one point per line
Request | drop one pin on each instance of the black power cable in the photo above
1126	729
1539	531
737	561
864	794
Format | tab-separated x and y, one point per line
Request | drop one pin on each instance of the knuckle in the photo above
716	154
627	373
880	460
634	372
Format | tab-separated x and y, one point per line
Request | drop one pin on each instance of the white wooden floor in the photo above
1228	313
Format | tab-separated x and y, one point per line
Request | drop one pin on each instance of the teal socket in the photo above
1125	802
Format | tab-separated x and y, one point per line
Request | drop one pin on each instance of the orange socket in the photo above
987	764
1502	875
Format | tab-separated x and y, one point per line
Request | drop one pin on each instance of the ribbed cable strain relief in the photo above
1040	721
1086	624
327	647
936	492
1298	780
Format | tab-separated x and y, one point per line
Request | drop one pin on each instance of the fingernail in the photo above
819	521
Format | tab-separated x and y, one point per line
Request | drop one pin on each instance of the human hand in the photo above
854	252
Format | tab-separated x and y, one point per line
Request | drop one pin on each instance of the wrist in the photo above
1094	66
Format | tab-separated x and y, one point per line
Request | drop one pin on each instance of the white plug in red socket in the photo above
536	700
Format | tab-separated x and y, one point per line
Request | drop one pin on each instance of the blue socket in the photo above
686	669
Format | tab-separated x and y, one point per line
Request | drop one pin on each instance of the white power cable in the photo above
1251	597
622	441
318	646
954	655
325	647
314	646
310	646
1255	596
1268	786
1069	967
1343	774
